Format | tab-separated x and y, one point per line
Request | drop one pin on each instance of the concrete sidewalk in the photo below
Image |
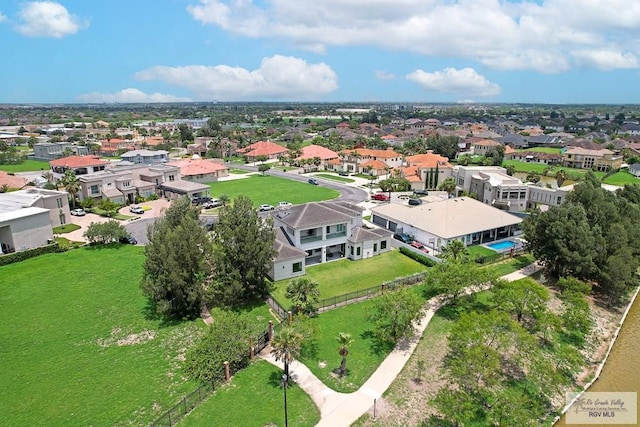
341	409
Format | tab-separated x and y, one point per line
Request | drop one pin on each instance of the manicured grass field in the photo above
343	276
66	228
265	189
621	178
238	171
80	346
524	166
254	397
365	355
477	250
545	150
511	265
334	177
26	166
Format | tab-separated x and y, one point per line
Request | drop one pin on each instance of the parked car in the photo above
200	200
417	244
78	212
415	202
343	173
128	240
136	210
404	238
313	181
284	204
264	208
421	192
212	204
381	197
404	197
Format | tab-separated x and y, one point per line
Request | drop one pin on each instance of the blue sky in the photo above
551	51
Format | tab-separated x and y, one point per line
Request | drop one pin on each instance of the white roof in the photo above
449	218
22	213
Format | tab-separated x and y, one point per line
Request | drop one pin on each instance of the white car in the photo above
284	204
136	210
78	212
264	208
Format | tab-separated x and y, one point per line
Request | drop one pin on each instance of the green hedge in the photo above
417	257
29	253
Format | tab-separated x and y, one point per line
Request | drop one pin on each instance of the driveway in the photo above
136	225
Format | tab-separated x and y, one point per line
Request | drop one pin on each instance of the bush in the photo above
424	260
105	232
29	253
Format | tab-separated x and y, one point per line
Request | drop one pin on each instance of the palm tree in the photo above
344	341
454	250
356	156
304	293
511	170
448	185
285	346
71	184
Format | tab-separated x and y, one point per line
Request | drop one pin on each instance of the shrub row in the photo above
29	253
417	257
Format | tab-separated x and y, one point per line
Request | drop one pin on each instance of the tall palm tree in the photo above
454	250
303	292
356	156
71	185
448	185
285	346
344	341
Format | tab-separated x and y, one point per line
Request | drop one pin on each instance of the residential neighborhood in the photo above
345	213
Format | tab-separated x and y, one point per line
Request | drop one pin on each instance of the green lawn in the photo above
265	189
545	150
61	319
26	166
254	397
621	178
478	250
511	264
334	177
321	355
238	171
66	228
343	276
524	166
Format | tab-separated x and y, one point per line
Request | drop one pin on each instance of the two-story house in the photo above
583	158
315	233
80	165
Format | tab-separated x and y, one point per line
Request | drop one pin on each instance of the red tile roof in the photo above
311	151
367	152
428	160
263	148
78	161
12	181
190	167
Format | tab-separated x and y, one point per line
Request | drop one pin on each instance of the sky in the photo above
419	51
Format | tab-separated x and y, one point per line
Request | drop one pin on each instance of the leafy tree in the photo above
285	346
175	267
453	277
226	340
304	293
244	252
561	177
533	177
186	133
511	170
264	167
446	146
108	206
105	232
525	299
393	315
344	341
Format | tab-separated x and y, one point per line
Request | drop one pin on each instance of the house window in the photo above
62	219
95	189
351	250
340	228
328	229
383	245
375	247
59	201
172	178
297	267
358	251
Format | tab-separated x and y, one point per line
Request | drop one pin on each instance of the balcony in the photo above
309	239
337	234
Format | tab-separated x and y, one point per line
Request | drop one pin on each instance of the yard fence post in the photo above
270	330
382	287
226	371
289	316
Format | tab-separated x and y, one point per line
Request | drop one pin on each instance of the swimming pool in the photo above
501	246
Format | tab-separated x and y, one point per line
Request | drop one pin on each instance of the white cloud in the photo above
466	82
547	36
48	19
130	95
606	59
279	77
383	75
3	17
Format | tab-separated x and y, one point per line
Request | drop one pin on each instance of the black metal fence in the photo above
500	256
277	308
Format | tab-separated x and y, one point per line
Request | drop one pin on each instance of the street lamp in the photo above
284	386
